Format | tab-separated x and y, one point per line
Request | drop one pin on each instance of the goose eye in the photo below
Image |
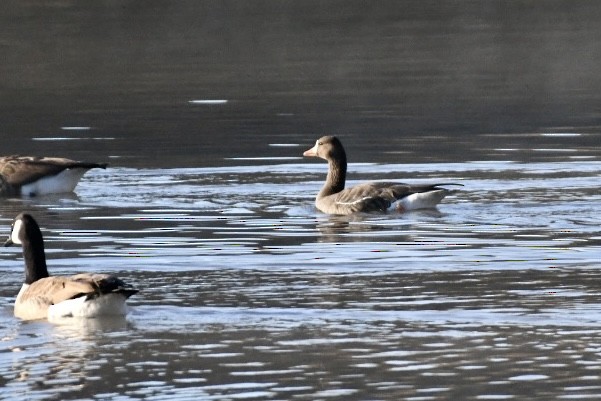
320	143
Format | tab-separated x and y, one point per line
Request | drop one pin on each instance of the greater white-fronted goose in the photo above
369	197
31	176
56	297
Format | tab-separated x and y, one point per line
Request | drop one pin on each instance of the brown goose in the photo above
31	176
369	197
56	297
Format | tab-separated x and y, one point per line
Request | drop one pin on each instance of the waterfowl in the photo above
31	176
333	198
55	297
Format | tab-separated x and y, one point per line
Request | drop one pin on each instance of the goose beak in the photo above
9	242
311	152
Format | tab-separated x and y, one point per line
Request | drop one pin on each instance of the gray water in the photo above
203	110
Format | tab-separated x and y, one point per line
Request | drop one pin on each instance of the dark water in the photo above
203	109
425	77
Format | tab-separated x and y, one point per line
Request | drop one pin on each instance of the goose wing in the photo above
377	196
104	284
22	170
55	289
368	197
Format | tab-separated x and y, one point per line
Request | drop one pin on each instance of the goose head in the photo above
327	148
26	232
24	229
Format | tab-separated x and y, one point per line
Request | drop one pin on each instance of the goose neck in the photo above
35	262
336	177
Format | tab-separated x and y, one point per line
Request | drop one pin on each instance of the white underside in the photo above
65	181
36	307
105	305
422	200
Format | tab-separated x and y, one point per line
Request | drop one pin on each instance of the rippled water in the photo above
202	109
249	293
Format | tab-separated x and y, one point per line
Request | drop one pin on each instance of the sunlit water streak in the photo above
249	293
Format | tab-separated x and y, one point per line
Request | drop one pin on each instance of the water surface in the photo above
249	292
203	110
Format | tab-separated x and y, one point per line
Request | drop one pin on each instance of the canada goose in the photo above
31	176
369	197
54	297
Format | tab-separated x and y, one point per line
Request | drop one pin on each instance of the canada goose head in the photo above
26	232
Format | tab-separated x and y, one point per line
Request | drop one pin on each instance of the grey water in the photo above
203	109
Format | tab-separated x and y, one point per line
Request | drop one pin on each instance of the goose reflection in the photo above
12	206
355	227
60	356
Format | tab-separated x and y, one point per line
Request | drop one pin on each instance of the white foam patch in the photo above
561	134
76	128
265	158
65	138
284	145
554	150
208	101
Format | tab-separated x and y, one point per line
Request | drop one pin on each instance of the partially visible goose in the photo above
369	197
55	297
31	176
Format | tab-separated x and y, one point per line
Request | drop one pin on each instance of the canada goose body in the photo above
334	198
31	176
53	297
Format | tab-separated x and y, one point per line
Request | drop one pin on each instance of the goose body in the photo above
334	198
55	297
31	176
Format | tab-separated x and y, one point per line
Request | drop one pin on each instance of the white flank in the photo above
104	305
65	181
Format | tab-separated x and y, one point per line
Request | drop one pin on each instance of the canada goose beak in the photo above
9	242
311	152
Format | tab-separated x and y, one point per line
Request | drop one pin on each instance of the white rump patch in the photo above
421	200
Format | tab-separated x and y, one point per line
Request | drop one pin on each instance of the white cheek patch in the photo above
14	236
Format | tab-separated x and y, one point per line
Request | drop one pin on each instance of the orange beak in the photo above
311	152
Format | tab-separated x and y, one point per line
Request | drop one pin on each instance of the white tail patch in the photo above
420	200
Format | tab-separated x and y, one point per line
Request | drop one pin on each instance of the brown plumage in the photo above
17	172
44	296
333	198
45	292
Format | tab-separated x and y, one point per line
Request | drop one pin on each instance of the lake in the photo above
203	109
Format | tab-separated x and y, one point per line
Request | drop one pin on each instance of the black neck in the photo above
35	260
